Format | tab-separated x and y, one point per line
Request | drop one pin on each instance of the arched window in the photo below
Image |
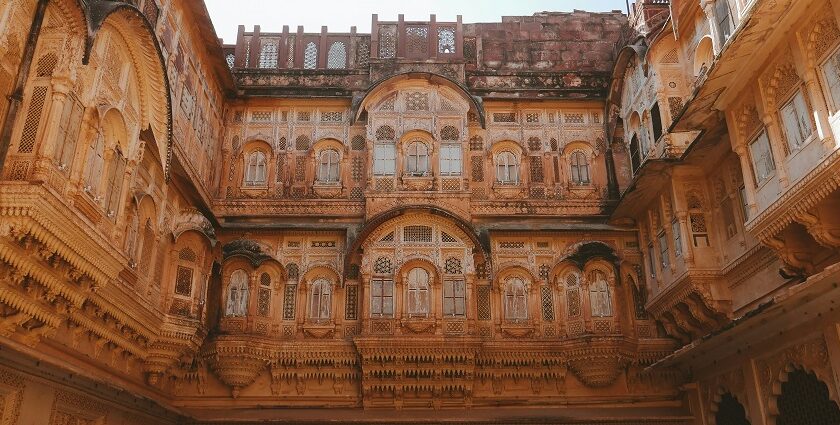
804	399
328	166
516	300
635	153
418	292
237	301
580	168
93	166
417	161
730	411
319	304
310	56
599	295
116	173
255	169
337	56
507	168
184	272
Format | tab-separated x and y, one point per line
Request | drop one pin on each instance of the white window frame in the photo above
763	171
384	159
417	158
319	297
507	168
451	159
454	298
256	169
578	169
796	121
378	308
418	291
516	300
329	162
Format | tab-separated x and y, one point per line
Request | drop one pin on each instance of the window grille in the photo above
477	168
264	302
358	143
230	59
449	132
33	120
544	269
183	281
337	56
385	132
289	302
453	266
476	143
576	118
512	245
292	269
186	254
302	143
363	54
535	144
447	238
300	169
387	41
310	56
532	118
351	302
805	400
261	116
417	40
417	101
357	169
483	302
446	40
388	238
304	116
573	302
547	303
537	175
268	54
265	279
383	265
504	117
417	234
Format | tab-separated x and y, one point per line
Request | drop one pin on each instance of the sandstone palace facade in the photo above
564	218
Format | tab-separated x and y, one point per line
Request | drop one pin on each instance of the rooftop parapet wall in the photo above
549	41
548	55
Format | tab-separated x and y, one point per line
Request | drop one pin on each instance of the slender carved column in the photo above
749	186
777	147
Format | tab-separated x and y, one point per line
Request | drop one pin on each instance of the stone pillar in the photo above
685	234
777	147
709	9
757	411
820	109
749	179
60	89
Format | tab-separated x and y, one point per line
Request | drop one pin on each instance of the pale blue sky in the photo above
339	15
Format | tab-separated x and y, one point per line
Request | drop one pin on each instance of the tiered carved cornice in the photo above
691	307
68	278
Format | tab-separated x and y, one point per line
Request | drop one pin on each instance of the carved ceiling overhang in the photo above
361	100
193	220
253	251
691	308
148	51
